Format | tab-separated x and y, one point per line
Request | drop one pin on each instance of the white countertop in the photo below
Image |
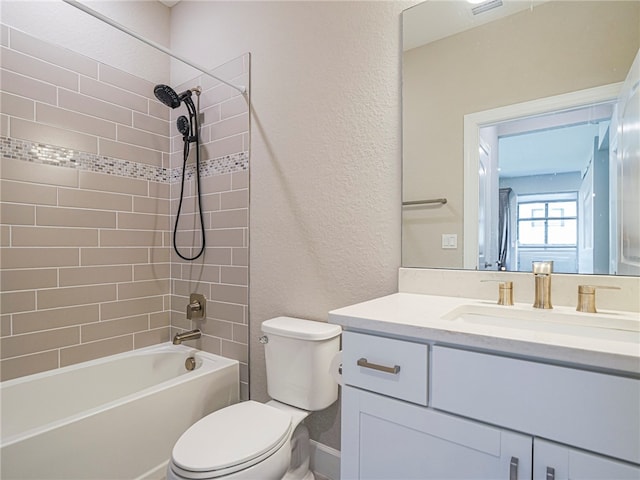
419	317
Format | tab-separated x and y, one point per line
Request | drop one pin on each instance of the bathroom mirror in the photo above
509	136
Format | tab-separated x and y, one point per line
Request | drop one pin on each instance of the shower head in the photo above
183	125
169	97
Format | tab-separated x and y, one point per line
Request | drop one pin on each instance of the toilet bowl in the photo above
266	441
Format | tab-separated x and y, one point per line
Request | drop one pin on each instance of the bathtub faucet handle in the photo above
197	306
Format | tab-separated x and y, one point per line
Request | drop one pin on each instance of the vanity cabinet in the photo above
414	410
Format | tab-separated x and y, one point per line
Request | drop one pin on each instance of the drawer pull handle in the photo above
551	473
513	468
362	362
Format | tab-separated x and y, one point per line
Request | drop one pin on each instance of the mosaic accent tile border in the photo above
44	154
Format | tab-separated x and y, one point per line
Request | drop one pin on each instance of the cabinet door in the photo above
384	438
558	462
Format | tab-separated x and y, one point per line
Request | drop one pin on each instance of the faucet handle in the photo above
587	297
505	291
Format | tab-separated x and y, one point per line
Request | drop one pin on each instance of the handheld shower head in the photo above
169	97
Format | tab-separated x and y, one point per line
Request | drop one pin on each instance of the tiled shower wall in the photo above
86	187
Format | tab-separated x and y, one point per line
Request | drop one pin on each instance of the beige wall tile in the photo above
35	173
68	197
40	257
38	342
216	183
22	192
234	199
150	124
240	180
127	308
74	217
94	275
151	272
214	256
143	221
113	328
230	127
241	333
151	337
113	256
92	106
159	319
17	106
160	255
93	350
4	125
143	139
240	257
226	311
159	110
112	183
223	147
183	288
28	364
232	237
5	236
234	350
53	237
53	54
210	344
4	35
56	318
14	214
69	296
211	202
108	93
5	325
34	68
157	206
229	293
28	279
211	115
194	272
132	153
27	87
234	275
217	328
159	190
78	122
11	302
146	288
179	320
230	218
233	107
125	81
53	136
130	238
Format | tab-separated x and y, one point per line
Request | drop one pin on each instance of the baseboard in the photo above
325	460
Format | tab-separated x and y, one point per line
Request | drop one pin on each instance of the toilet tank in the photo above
298	355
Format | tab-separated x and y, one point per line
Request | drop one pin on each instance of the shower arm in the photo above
74	3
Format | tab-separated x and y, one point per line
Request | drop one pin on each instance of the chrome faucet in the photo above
542	276
184	336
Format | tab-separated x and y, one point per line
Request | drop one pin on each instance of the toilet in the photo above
266	441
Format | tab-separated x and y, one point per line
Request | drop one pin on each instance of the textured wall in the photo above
325	153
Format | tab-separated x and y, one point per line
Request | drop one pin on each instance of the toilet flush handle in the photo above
263	339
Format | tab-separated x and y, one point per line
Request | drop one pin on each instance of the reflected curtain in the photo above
504	214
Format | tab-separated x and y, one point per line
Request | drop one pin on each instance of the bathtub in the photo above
112	418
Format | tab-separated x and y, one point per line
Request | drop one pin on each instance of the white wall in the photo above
325	153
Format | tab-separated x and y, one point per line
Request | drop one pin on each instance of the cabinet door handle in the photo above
513	468
362	362
551	473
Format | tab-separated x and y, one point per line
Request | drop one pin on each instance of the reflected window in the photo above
547	227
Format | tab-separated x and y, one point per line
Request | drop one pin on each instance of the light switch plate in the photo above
449	240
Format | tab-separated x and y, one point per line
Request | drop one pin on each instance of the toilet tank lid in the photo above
301	329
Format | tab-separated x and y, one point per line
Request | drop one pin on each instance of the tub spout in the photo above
184	336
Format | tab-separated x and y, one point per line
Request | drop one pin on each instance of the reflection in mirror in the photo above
521	184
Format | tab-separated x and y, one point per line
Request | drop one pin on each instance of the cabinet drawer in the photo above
593	411
392	367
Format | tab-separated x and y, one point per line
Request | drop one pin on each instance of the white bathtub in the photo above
112	418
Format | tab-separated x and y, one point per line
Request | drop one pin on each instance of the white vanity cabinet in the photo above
414	410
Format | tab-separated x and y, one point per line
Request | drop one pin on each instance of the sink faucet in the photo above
542	276
184	336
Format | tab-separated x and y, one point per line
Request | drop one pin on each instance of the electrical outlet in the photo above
449	240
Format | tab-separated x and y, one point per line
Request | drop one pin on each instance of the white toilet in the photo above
256	441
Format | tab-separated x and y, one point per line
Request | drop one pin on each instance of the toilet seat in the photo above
230	440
